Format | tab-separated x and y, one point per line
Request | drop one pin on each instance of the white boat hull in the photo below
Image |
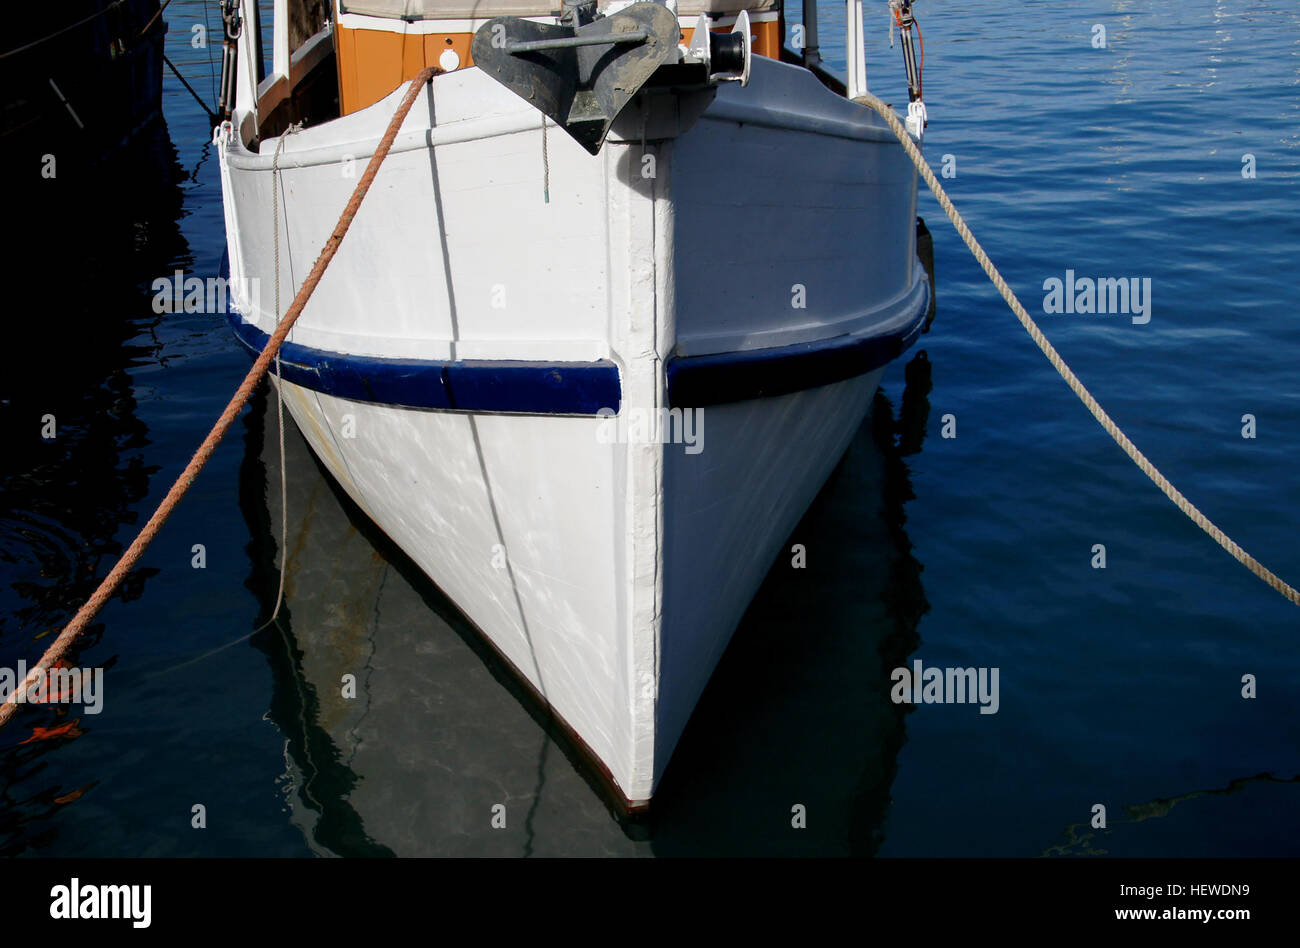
449	368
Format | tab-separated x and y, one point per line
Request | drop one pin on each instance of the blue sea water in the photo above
1119	686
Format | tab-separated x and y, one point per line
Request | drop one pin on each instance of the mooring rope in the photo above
279	379
87	612
212	116
165	5
94	16
1112	429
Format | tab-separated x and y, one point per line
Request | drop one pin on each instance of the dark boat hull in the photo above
77	81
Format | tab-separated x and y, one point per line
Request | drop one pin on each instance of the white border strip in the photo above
359	21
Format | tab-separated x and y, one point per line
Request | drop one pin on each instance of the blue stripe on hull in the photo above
535	388
584	388
760	373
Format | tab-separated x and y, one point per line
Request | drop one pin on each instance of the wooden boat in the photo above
586	363
77	79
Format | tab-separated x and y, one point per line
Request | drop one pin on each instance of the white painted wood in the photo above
280	40
627	565
249	52
856	53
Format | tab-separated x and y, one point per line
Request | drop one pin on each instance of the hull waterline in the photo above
474	365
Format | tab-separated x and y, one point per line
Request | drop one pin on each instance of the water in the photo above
1119	686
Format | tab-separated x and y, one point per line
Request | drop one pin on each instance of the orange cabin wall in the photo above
372	63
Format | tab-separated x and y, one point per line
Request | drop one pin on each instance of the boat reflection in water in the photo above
440	741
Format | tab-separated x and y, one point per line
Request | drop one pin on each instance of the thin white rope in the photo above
546	164
1112	429
279	382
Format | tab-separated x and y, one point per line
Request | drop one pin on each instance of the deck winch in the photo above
583	71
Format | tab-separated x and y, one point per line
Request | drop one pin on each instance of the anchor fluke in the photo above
583	72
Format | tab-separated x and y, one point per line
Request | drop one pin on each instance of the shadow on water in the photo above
798	712
440	732
79	282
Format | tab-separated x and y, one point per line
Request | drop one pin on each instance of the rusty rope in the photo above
82	619
1128	447
154	18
